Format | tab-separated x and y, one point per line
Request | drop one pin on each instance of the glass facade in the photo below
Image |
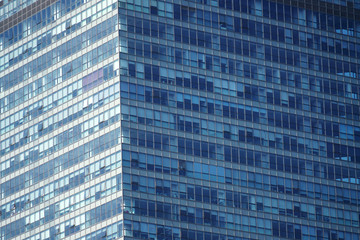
186	119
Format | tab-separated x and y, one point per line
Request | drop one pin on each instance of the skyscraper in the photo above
186	119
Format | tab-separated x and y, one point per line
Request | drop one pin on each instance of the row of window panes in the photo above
110	232
209	40
216	151
250	136
57	120
58	54
209	128
21	160
301	16
286	78
66	205
247	157
276	162
249	27
209	106
65	161
9	8
233	24
81	63
260	115
240	200
161	9
255	93
199	216
279	55
62	185
141	5
39	20
143	230
50	80
219	219
146	230
73	225
241	69
52	145
254	28
53	35
279	12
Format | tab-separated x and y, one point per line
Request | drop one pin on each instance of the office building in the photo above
184	119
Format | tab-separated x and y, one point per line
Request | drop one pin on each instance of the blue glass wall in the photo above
239	119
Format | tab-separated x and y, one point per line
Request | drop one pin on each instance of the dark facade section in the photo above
24	14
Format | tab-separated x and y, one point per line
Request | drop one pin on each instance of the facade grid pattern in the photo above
187	119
